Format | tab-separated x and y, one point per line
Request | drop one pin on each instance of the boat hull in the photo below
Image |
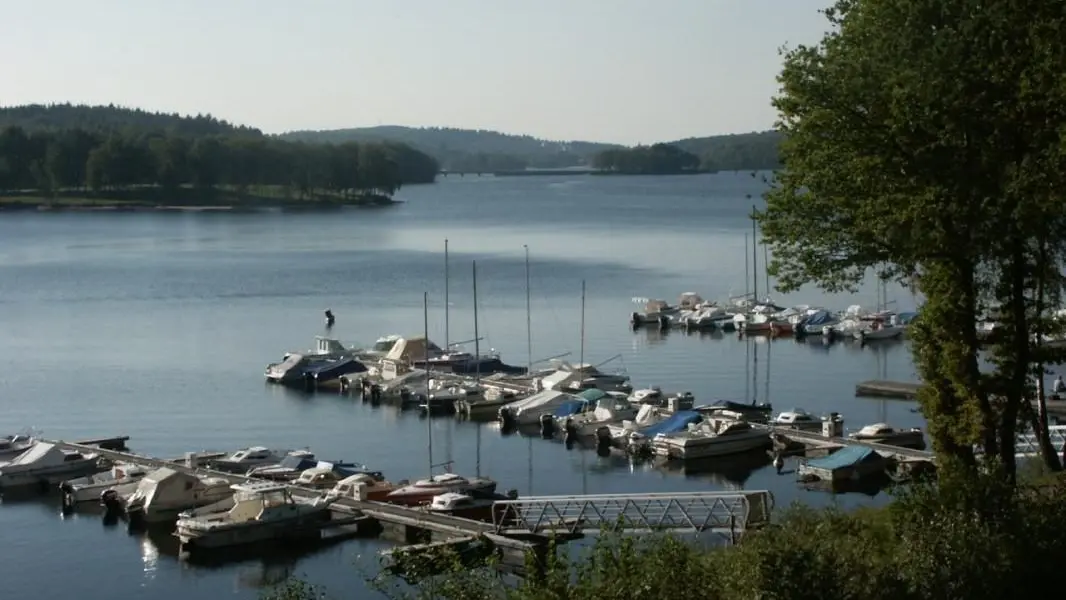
425	496
695	447
48	476
304	526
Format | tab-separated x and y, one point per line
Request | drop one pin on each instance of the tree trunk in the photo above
1041	431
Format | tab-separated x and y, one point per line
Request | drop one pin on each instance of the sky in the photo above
624	71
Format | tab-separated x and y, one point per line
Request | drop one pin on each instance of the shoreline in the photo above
255	204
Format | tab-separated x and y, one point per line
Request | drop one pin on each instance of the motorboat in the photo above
652	395
164	493
90	487
711	437
797	418
13	445
380	349
882	433
470	507
656	312
261	512
289	468
878	331
423	490
249	458
362	486
575	378
327	475
753	410
650	422
609	410
443	398
46	464
529	411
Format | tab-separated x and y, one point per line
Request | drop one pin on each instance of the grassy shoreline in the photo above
185	200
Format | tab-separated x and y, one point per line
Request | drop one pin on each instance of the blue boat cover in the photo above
845	457
592	395
336	368
571	407
678	421
819	318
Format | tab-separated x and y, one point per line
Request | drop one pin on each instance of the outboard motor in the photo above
636	319
68	498
111	502
508	422
569	430
309	381
664	322
330	320
375	394
862	338
603	441
800	330
547	426
405	397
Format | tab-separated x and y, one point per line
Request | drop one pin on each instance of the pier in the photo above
906	390
520	526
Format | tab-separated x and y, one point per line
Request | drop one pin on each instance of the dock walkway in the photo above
908	390
817	439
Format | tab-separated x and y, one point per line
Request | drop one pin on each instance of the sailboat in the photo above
884	325
487	403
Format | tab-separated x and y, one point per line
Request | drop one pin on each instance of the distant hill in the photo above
469	149
755	151
481	150
52	117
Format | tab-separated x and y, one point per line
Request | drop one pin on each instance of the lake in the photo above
159	326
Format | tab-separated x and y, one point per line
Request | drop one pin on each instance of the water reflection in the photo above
730	472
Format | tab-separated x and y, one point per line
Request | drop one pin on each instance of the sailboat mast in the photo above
766	266
429	422
477	346
447	339
747	266
754	258
529	321
581	361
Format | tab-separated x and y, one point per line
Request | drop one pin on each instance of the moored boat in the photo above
46	465
89	487
467	506
164	493
882	433
423	490
711	437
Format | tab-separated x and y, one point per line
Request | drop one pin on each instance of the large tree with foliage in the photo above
924	138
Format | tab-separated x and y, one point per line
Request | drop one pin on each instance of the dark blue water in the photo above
159	325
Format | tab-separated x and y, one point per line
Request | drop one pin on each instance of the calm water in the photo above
159	325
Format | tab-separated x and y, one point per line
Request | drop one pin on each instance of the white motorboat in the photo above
13	445
423	490
878	332
90	487
46	464
797	418
242	461
164	493
290	467
711	437
609	410
261	512
529	411
652	395
882	433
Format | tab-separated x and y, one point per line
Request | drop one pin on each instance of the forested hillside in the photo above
469	150
121	153
738	152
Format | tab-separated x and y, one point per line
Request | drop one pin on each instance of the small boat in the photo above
290	467
363	486
261	512
243	460
13	445
423	491
529	411
752	410
881	433
164	493
797	418
327	475
467	506
47	465
711	437
878	332
609	410
89	488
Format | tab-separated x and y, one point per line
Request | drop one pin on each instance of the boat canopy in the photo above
571	407
820	317
592	394
334	369
412	349
677	422
845	457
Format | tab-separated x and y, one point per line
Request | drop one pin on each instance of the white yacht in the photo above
90	487
882	433
244	460
711	437
164	493
261	512
46	464
797	418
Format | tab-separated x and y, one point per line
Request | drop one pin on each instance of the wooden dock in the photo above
829	444
907	390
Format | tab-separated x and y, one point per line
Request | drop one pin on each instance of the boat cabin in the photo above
451	501
252	501
253	454
876	430
795	416
353	486
318	477
444	479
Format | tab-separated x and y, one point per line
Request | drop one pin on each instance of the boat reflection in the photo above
727	471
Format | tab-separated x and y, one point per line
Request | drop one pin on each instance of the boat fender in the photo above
507	419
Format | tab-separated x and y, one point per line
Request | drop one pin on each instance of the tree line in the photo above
657	159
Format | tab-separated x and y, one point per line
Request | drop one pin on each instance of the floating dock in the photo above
880	388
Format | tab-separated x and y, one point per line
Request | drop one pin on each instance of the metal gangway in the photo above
1028	445
727	513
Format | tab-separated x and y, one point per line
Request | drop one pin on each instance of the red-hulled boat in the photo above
422	491
467	506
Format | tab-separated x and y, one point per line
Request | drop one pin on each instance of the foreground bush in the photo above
966	539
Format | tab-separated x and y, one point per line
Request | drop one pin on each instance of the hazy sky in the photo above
607	70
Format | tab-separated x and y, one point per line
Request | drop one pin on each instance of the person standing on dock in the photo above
329	318
1059	386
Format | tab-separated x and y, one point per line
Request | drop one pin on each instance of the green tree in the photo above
903	151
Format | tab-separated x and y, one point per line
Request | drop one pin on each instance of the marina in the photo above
171	335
